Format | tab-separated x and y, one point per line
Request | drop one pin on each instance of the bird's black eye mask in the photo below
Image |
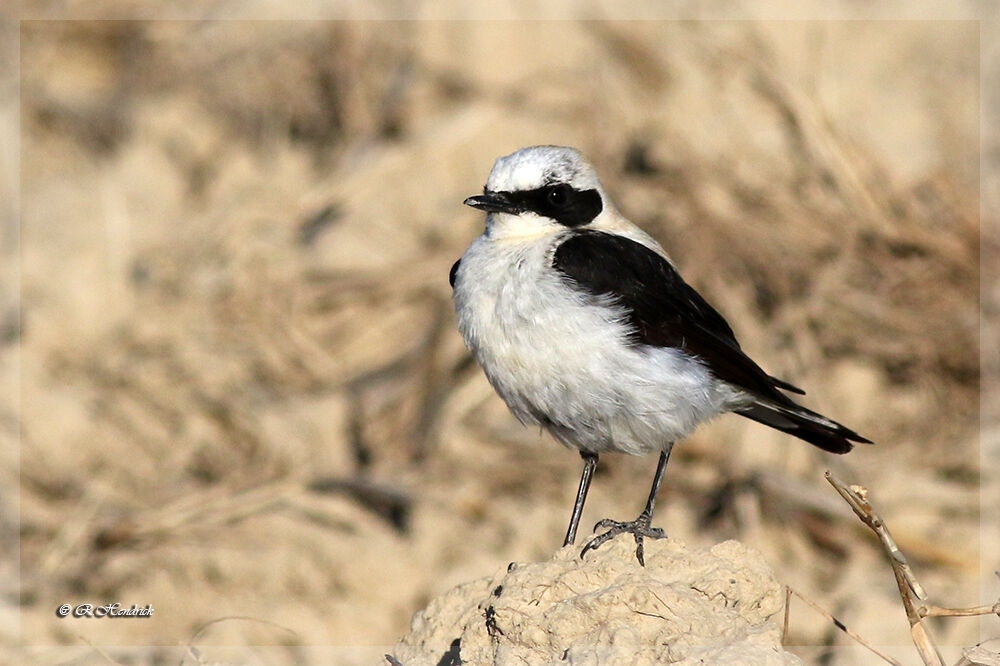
566	205
563	203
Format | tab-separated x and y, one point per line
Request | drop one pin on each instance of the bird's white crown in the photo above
537	166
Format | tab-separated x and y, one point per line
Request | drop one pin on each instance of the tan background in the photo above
242	395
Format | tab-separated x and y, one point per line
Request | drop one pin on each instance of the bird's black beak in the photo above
493	202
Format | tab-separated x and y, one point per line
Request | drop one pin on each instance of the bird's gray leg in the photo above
589	463
640	527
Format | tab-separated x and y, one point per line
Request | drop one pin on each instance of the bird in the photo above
584	326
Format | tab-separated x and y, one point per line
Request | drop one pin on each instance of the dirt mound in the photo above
717	605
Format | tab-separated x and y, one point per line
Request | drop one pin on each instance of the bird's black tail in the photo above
805	424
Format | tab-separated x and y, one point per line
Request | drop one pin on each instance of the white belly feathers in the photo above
561	358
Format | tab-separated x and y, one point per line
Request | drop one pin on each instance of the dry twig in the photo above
938	611
784	625
837	623
857	498
909	587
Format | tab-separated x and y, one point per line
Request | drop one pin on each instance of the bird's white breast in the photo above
560	357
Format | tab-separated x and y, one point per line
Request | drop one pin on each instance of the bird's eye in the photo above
558	195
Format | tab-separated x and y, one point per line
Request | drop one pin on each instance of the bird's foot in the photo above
638	528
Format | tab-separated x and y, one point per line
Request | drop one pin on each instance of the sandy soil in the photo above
718	605
242	396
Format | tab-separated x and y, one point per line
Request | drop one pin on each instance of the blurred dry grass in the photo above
243	394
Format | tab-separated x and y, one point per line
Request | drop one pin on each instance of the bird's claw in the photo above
638	528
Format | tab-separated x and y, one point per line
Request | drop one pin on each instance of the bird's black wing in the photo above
663	310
